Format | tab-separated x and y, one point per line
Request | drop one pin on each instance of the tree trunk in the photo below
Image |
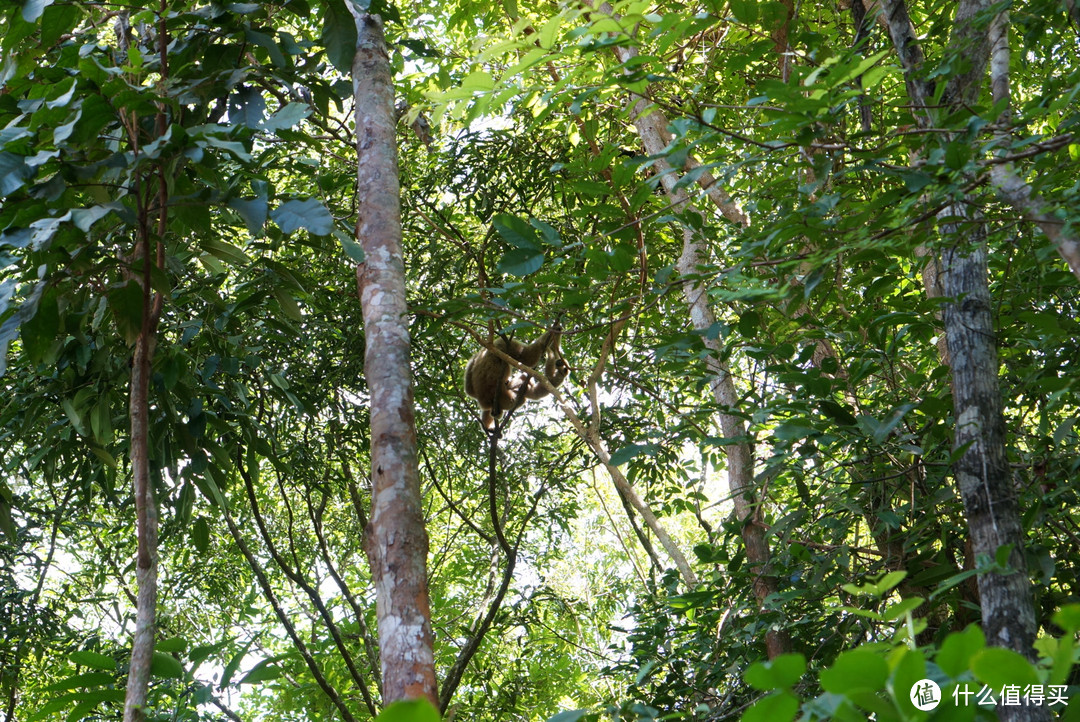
982	470
396	542
142	646
651	127
146	510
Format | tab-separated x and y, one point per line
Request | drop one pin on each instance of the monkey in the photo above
492	381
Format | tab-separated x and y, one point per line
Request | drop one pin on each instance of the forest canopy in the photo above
813	270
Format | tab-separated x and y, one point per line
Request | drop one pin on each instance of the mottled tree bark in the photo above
982	471
396	542
146	524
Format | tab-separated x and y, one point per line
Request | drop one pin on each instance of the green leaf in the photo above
39	332
629	451
1063	429
352	249
749	323
165	666
957	154
268	44
62	97
909	667
997	667
957	650
520	262
878	588
232	666
288	304
915	181
478	81
247	107
517	232
9	329
126	304
57	20
7	524
287	117
101	420
226	252
264	671
74	417
881	433
779	707
252	211
745	11
82	681
62	132
895	611
413	710
308	214
1068	618
339	35
1002	554
172	644
84	218
13	133
203	651
232	146
781	673
13	173
200	535
93	660
857	669
32	9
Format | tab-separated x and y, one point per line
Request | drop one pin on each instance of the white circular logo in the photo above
925	694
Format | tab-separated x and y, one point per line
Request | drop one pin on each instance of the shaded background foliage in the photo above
258	395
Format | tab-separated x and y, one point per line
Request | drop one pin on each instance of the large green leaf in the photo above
339	35
309	214
253	211
32	9
287	117
14	172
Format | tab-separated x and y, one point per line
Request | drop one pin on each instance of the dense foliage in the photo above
533	201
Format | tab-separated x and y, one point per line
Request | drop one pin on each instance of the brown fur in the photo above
498	387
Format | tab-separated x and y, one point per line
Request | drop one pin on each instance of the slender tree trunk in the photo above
396	543
981	469
142	646
146	510
651	127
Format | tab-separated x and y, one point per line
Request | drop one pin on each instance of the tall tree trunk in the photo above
651	126
981	470
146	510
142	646
396	543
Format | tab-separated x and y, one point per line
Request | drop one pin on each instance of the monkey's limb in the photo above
485	379
493	455
555	371
488	377
536	377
